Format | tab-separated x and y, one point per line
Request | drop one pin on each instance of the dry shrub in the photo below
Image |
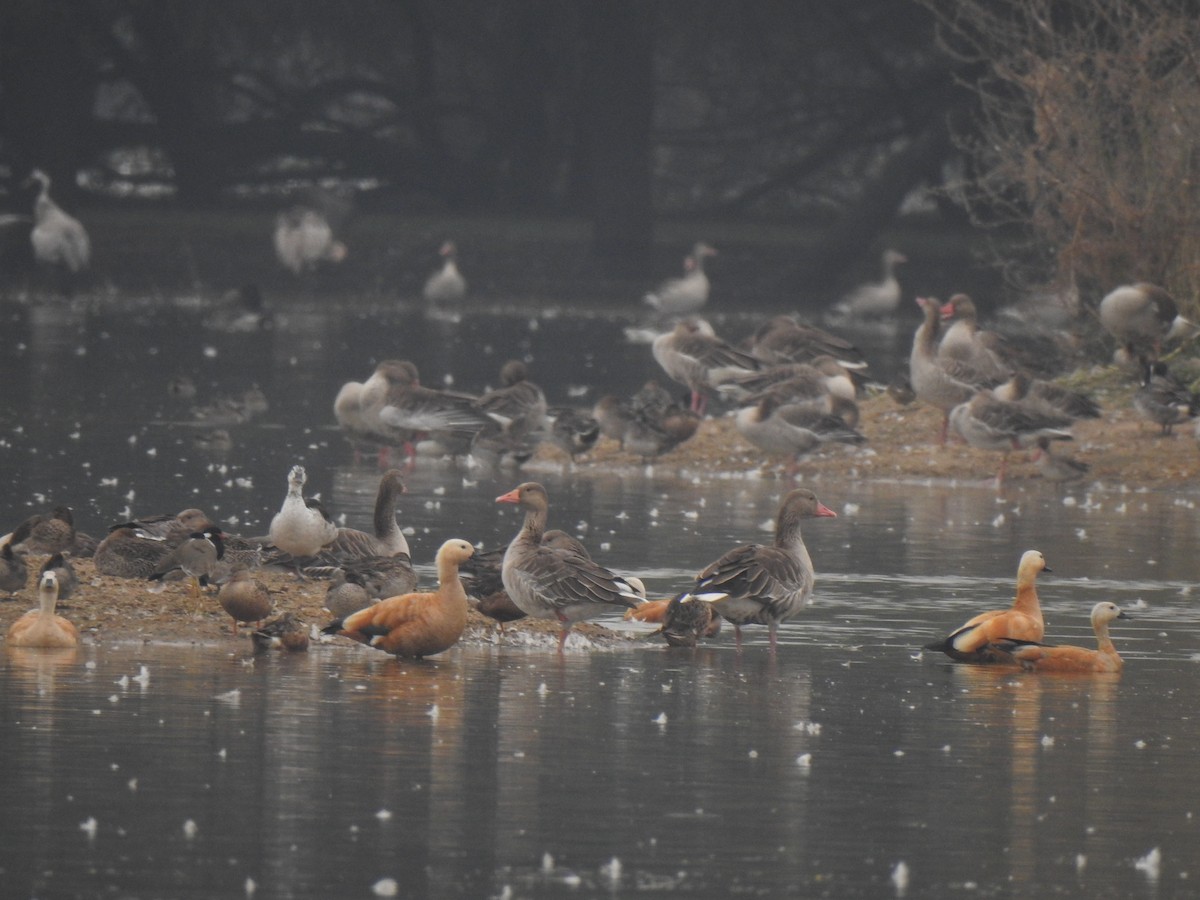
1088	133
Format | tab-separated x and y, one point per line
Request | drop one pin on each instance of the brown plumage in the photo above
14	573
284	632
244	597
41	534
385	538
41	627
1022	621
420	624
684	619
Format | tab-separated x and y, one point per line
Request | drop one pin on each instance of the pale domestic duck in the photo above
304	239
1022	621
41	627
58	239
301	527
447	284
1037	657
694	356
415	625
758	584
687	294
552	583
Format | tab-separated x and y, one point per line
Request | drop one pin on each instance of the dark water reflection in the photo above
848	766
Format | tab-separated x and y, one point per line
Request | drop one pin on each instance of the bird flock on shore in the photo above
791	388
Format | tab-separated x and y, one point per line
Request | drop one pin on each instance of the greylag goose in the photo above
1022	621
1163	400
1037	657
783	340
14	572
447	284
550	583
1142	317
244	597
41	627
943	384
1047	397
284	632
304	239
385	538
1057	467
415	625
410	408
301	527
483	580
518	405
58	239
964	341
986	423
42	534
195	559
797	382
64	573
792	430
875	299
687	294
757	584
694	356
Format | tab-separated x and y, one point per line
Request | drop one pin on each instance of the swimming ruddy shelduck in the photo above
1037	657
1022	622
41	627
418	624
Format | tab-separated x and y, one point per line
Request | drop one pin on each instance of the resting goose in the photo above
554	583
447	284
420	624
41	533
1142	317
385	538
1047	397
942	383
304	239
694	356
688	293
965	342
986	423
756	584
793	430
41	627
1037	657
783	340
1022	621
518	405
58	238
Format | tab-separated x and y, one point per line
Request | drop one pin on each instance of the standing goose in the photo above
301	527
943	383
1037	657
415	625
556	583
58	239
1022	621
757	584
447	284
694	356
688	293
41	627
386	538
990	424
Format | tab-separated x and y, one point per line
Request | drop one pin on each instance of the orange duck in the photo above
1037	657
1022	622
41	627
419	624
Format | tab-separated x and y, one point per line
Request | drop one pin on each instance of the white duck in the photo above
688	293
58	239
447	284
304	238
300	528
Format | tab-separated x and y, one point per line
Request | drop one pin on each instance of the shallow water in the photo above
849	765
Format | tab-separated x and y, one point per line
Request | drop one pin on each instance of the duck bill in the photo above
513	496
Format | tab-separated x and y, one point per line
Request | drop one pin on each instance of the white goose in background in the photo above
304	238
875	299
447	284
688	293
58	239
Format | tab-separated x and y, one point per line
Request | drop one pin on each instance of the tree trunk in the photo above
617	113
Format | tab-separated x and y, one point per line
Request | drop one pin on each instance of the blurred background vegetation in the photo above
1064	131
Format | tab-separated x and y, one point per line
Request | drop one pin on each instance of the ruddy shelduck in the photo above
1037	657
1022	622
41	627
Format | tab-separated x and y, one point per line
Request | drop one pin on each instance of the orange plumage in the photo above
417	624
41	627
1066	658
1023	621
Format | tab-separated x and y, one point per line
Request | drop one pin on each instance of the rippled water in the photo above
849	765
